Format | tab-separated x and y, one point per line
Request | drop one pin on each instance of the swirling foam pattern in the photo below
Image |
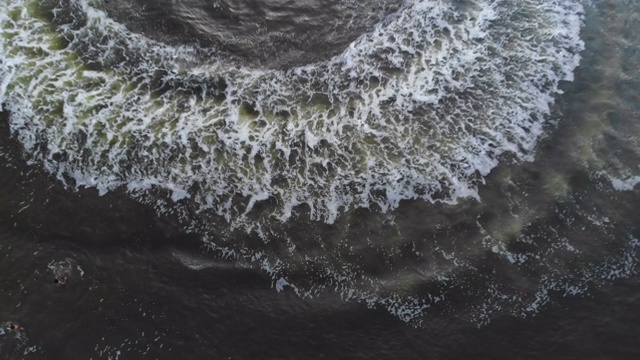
421	107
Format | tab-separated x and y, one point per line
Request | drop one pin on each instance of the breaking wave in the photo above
421	106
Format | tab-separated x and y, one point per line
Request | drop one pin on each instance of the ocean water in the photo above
319	179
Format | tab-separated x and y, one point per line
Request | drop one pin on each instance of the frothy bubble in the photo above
421	107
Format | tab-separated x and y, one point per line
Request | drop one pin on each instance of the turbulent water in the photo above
421	107
387	150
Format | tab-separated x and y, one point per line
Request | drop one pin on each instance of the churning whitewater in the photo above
420	106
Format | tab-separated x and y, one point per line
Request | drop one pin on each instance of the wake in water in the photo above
420	107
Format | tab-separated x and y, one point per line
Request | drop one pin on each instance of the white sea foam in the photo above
422	107
627	184
424	104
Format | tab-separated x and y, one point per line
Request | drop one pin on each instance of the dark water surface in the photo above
274	33
129	297
544	265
